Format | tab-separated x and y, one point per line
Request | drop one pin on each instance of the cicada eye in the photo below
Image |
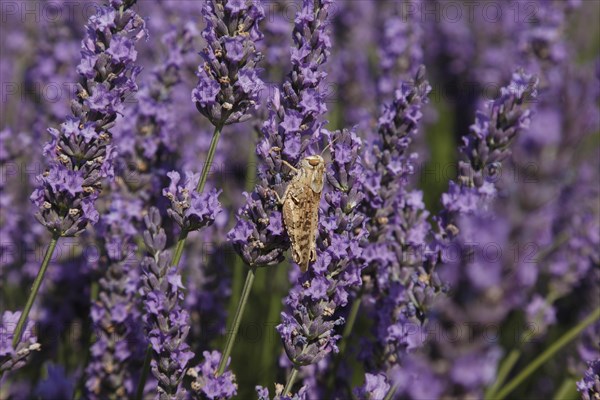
314	161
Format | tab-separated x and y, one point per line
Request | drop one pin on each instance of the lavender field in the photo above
300	199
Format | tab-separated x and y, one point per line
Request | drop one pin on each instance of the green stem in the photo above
236	284
349	325
560	240
34	291
550	351
145	368
290	381
267	347
236	320
390	393
238	263
209	159
94	290
344	342
567	390
200	188
179	247
182	237
505	368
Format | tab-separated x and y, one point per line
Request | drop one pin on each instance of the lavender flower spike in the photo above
292	126
189	209
167	322
114	315
484	149
397	221
145	151
228	85
308	327
80	152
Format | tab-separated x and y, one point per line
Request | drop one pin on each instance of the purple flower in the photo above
147	135
234	48
301	334
291	122
13	358
400	48
263	393
248	81
58	384
167	323
206	385
464	246
206	91
287	134
236	6
375	388
589	386
81	153
228	86
540	314
102	100
417	380
189	209
114	314
403	281
64	187
122	50
517	240
308	328
475	369
12	147
486	147
69	182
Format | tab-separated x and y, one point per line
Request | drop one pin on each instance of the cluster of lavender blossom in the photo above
146	209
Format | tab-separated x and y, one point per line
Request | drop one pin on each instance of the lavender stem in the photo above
236	283
548	353
566	390
348	328
503	372
94	290
211	155
545	252
290	381
238	264
344	342
274	309
200	188
145	368
390	394
179	247
236	320
34	290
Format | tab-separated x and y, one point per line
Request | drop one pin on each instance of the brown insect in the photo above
301	208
